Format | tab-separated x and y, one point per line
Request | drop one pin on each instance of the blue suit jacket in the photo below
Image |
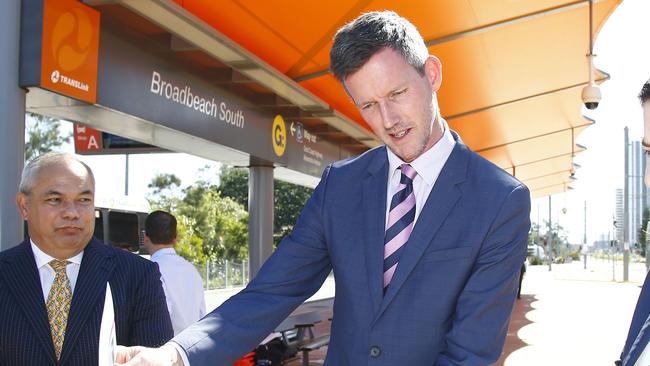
630	355
449	301
141	316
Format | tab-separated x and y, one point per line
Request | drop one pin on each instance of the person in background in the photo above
181	281
521	277
424	236
53	285
636	351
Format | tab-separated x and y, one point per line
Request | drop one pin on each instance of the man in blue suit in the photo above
53	286
636	351
425	237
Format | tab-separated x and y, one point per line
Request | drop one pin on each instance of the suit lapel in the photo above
24	282
96	267
441	200
374	208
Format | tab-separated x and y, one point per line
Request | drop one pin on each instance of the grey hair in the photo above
357	41
33	168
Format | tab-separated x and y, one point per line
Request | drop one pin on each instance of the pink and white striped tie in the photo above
400	222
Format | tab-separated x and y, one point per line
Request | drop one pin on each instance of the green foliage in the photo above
557	239
289	198
533	235
189	245
162	195
535	261
233	183
42	134
221	222
209	226
213	219
162	182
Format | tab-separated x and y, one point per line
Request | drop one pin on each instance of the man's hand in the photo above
142	356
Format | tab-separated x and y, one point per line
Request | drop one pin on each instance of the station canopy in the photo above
513	71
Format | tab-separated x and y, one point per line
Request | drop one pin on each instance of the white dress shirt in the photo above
183	288
428	166
47	274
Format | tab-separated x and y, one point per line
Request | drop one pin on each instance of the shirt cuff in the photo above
181	352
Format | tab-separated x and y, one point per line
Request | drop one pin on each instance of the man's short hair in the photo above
160	227
32	170
644	95
357	41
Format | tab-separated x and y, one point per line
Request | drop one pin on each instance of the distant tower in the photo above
618	234
637	196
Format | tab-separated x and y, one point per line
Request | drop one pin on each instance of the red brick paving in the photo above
518	321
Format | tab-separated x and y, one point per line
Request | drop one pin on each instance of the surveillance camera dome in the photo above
591	96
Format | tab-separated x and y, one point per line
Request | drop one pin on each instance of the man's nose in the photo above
389	115
70	210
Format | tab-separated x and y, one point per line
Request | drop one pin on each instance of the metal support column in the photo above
12	124
260	210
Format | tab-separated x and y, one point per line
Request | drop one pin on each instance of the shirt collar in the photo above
430	163
43	258
163	251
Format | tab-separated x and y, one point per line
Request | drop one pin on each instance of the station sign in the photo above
90	141
60	47
136	80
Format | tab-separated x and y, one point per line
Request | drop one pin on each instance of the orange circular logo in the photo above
71	38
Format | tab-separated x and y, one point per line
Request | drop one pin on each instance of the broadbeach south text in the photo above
183	95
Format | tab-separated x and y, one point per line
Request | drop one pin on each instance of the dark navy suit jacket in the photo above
449	301
141	316
641	313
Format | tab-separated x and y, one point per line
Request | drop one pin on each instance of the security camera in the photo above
591	96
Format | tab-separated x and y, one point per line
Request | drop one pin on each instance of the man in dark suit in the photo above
636	351
53	285
425	237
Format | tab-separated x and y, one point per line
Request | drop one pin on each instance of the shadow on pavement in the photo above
518	321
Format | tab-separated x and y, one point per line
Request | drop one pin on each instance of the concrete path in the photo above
572	315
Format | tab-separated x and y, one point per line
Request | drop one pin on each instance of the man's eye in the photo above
367	106
85	200
53	200
398	93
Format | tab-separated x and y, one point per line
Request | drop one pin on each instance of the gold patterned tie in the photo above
58	304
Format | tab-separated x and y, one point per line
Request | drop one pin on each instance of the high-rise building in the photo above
637	195
618	217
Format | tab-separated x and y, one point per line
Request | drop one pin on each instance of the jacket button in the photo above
375	351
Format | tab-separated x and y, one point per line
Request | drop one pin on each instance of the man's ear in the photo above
21	203
433	71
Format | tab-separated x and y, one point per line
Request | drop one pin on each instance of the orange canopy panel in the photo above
512	70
